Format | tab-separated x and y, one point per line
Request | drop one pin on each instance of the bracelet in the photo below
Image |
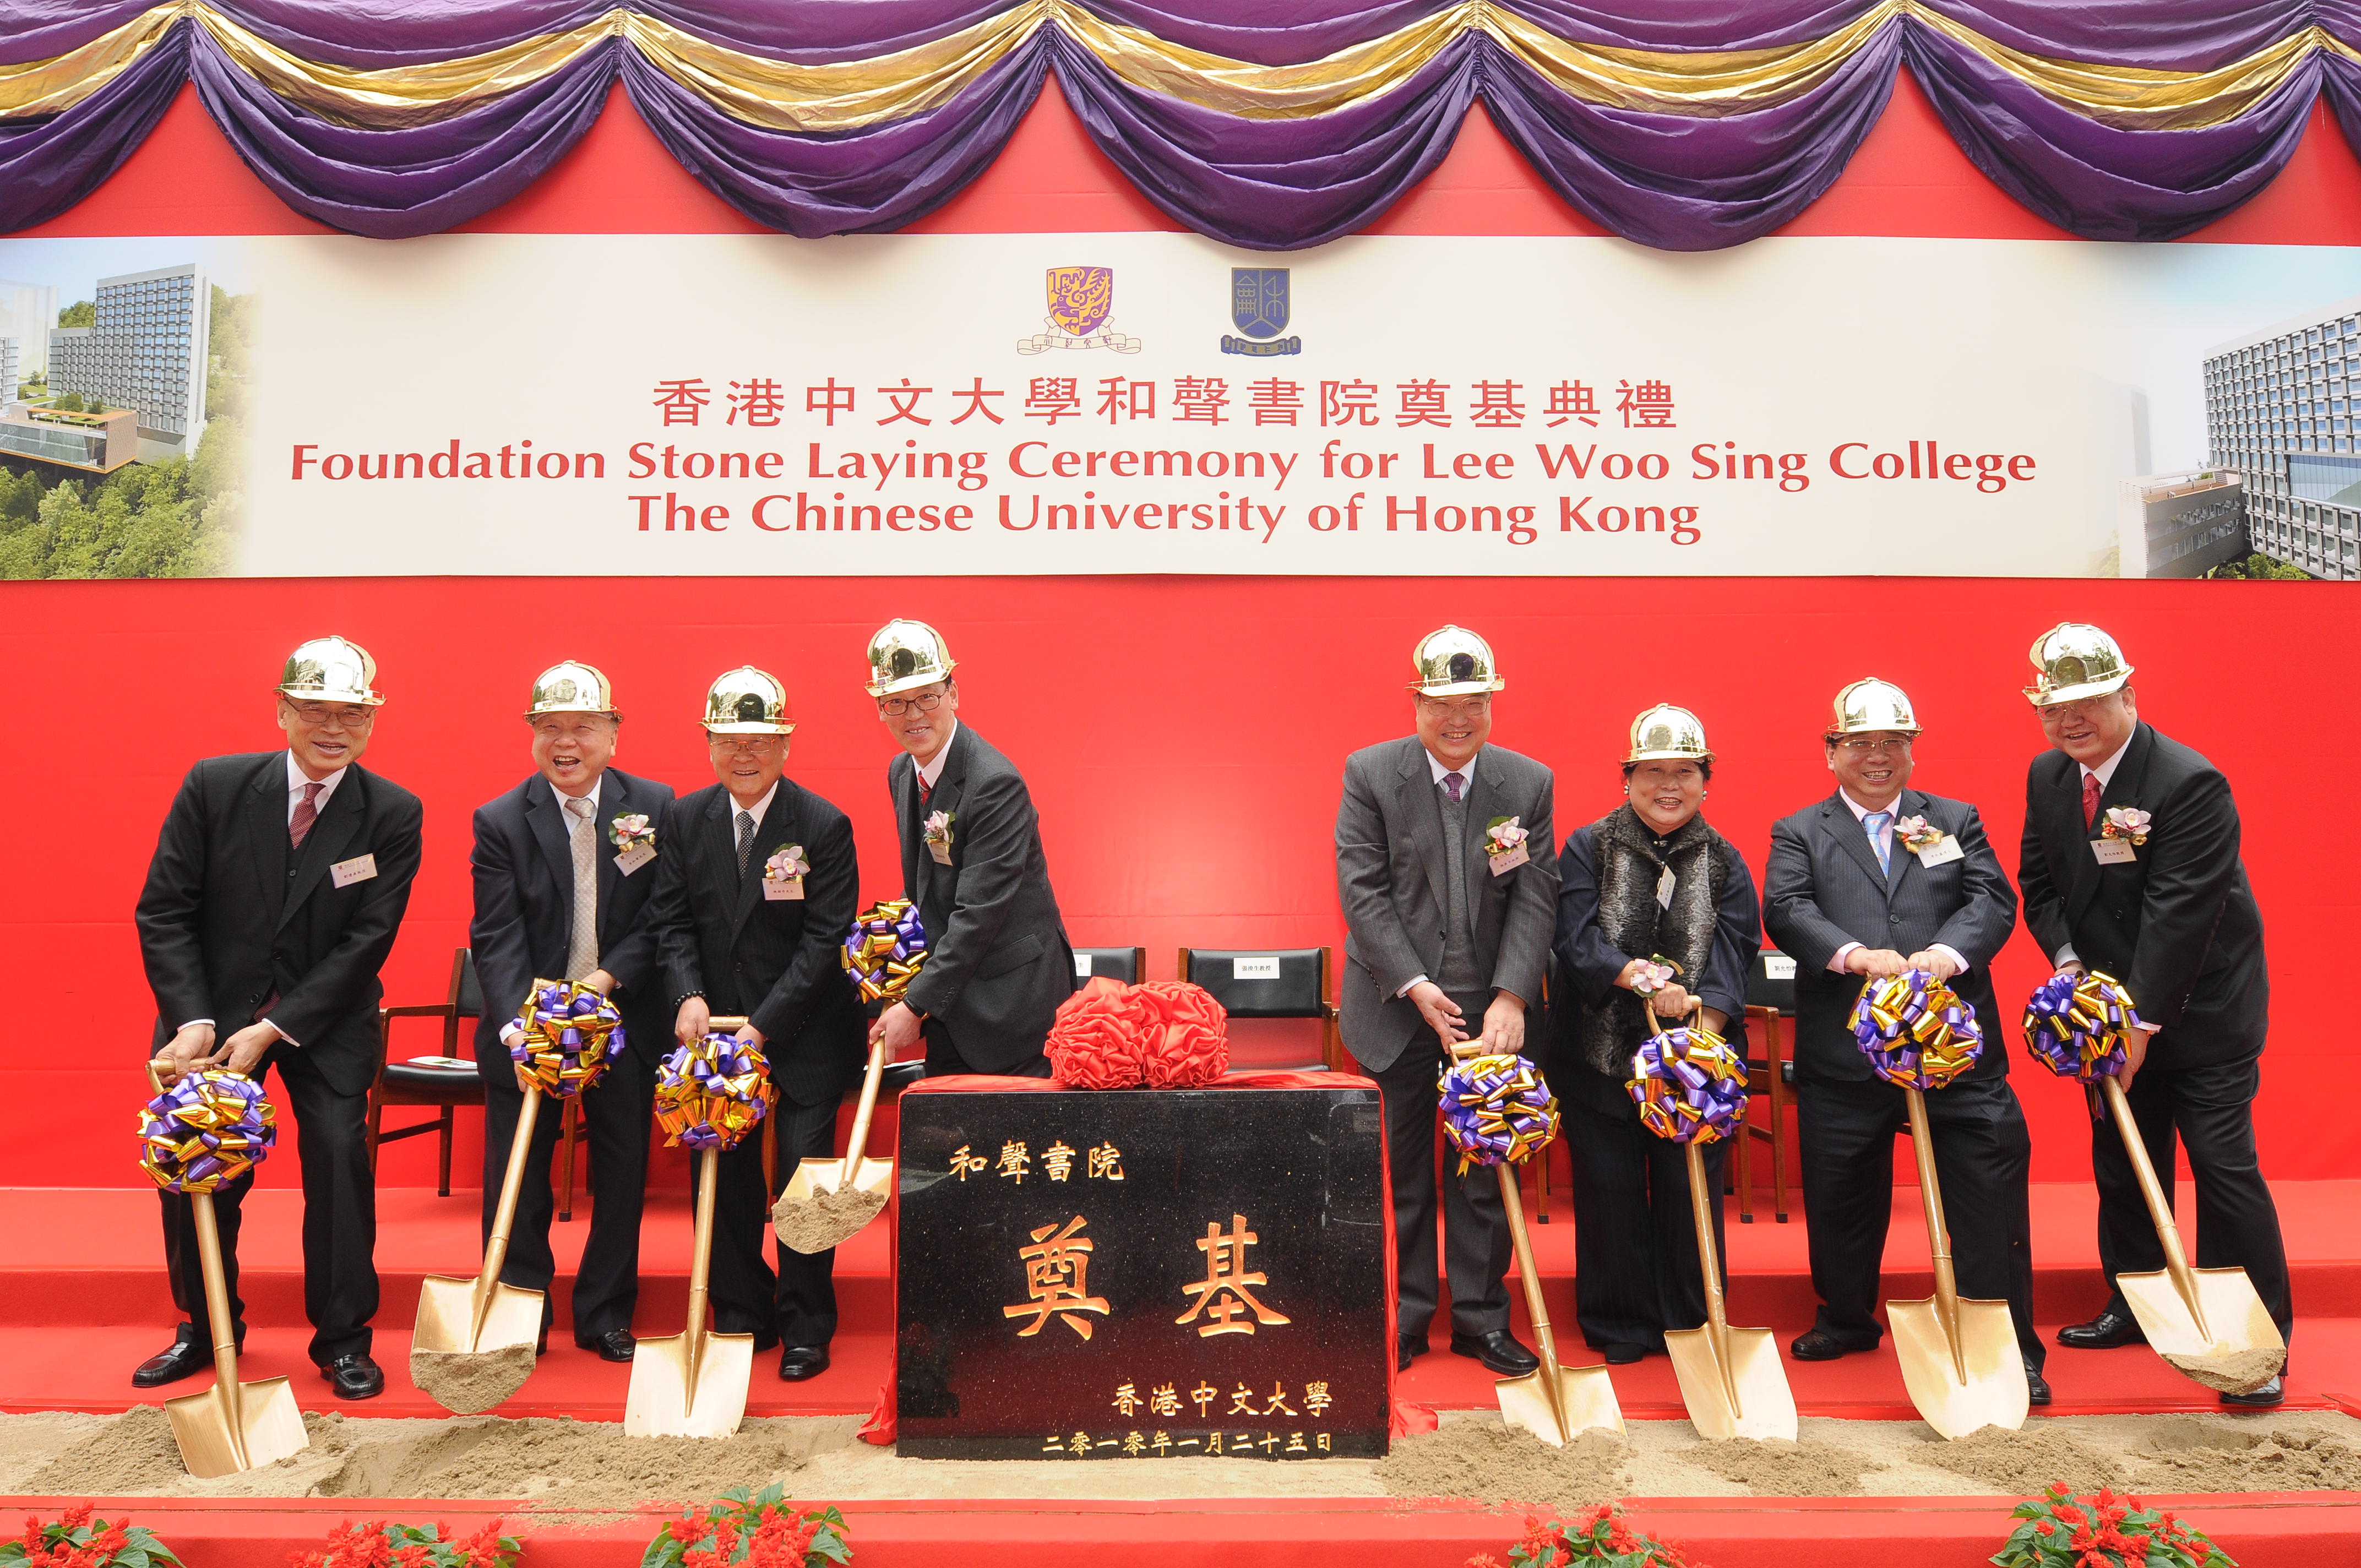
683	997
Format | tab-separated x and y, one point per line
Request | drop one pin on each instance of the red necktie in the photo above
924	789
299	825
2090	792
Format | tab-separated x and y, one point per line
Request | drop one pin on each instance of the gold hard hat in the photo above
329	669
906	653
571	688
1452	661
747	701
1665	734
2072	661
1871	707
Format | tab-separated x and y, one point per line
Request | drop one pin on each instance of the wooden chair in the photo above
414	1084
1770	1018
1129	965
1268	982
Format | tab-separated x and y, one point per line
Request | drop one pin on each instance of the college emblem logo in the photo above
1081	299
1258	304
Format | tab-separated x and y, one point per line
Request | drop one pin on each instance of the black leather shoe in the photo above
1405	1348
765	1339
1819	1344
353	1377
2037	1387
1623	1355
2262	1399
186	1358
2106	1331
1498	1350
615	1344
798	1361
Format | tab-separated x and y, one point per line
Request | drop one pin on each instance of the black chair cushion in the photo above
1111	963
1293	992
457	1085
1771	983
897	1075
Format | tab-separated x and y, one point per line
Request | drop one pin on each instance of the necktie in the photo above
924	789
746	838
307	812
1874	825
1454	782
582	956
2090	792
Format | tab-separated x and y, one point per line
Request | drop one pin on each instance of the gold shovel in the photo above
494	1326
1551	1402
1961	1361
232	1426
2207	1323
693	1384
1731	1378
828	1201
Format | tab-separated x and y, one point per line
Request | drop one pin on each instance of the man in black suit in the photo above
563	867
1447	931
2169	913
754	896
278	884
998	962
1874	881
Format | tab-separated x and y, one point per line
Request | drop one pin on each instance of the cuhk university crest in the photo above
1081	300
1258	306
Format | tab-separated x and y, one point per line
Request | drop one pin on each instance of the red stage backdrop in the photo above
1184	737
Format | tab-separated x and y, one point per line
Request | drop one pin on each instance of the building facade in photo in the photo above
27	313
2278	410
2183	525
8	368
147	354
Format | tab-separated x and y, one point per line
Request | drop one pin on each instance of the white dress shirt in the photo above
930	770
757	810
1467	772
1885	847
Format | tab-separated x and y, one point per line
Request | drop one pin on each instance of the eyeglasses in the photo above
1460	708
896	707
757	744
314	717
1862	745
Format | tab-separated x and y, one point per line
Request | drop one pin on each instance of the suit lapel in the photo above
614	800
1481	794
266	825
1839	822
2123	789
944	797
326	843
902	783
1909	803
781	823
548	826
1421	804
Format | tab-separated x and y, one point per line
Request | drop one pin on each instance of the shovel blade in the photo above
2245	1350
446	1317
820	1210
665	1401
273	1429
1766	1406
1585	1393
1995	1393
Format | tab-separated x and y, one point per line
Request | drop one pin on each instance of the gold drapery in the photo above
852	94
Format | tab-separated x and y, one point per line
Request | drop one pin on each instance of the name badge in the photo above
360	868
775	888
2113	851
633	859
1665	888
1778	966
942	853
1255	969
1081	966
1503	864
1940	854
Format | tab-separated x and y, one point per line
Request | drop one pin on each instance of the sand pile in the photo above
826	1218
1485	1458
1773	1467
2019	1463
2231	1371
2217	1453
468	1382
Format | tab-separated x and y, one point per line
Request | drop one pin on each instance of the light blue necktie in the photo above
1874	825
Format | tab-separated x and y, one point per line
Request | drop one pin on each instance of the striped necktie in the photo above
1874	823
306	813
582	954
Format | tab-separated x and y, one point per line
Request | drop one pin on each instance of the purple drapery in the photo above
1683	181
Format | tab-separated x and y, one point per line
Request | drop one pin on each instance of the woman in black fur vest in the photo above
1645	888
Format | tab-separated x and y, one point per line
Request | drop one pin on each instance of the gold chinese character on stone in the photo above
1324	1442
1204	1394
1315	1397
1160	1442
1295	1443
1059	1161
964	1164
1079	1445
1224	1294
1164	1401
1106	1163
1214	1443
1241	1402
1269	1442
1133	1443
1057	1269
1015	1161
1127	1400
1278	1405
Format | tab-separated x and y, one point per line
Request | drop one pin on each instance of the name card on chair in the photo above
1081	966
1778	966
1262	968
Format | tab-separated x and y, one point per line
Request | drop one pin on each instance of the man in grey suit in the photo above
1877	880
1449	914
998	962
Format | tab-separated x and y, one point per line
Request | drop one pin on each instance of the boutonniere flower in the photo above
1655	973
1917	834
2125	822
1503	835
631	832
937	828
786	865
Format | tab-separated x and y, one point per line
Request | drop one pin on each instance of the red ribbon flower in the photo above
1095	1043
1187	1045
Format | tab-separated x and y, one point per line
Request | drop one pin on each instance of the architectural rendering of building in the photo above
99	442
8	368
2183	525
28	311
147	354
2278	411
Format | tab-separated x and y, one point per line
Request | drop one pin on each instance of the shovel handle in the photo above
1512	1202
1939	1236
226	1391
495	1248
1717	1312
857	1145
2176	1259
701	1259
